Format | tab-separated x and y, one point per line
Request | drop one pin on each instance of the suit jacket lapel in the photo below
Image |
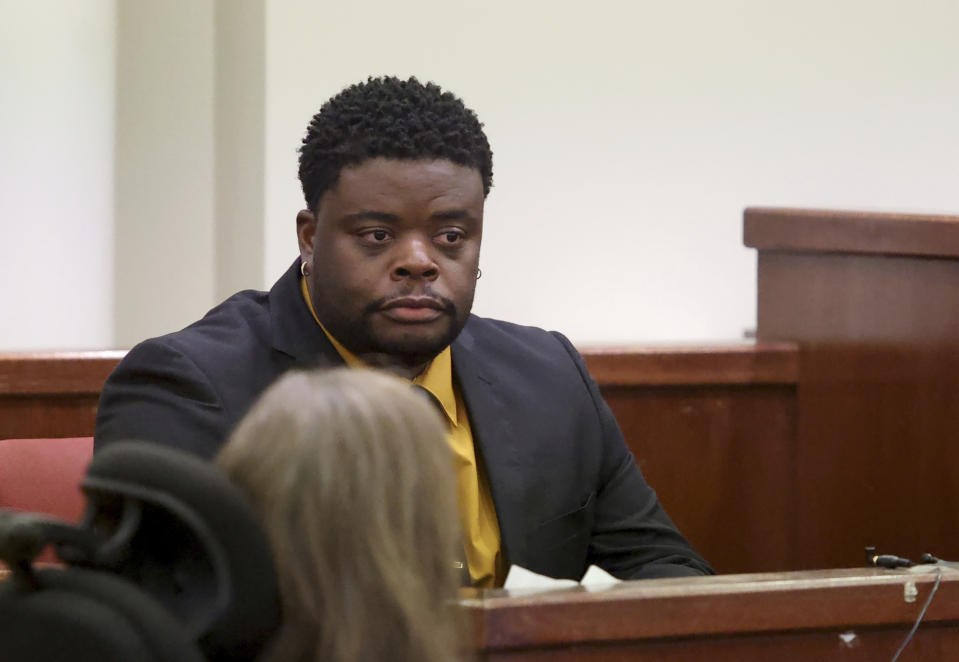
296	334
294	331
495	440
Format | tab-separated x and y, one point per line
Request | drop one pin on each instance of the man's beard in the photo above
416	351
359	336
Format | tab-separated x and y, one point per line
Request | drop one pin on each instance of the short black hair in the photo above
392	118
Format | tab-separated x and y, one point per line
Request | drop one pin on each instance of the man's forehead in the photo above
416	171
437	182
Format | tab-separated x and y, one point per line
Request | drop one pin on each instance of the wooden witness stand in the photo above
726	404
848	615
872	300
811	616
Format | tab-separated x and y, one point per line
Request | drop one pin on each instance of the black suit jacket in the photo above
566	489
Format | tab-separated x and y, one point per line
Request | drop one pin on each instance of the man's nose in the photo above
415	261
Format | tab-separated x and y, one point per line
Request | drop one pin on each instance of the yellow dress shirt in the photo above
477	514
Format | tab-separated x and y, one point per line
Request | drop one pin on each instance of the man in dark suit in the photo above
395	175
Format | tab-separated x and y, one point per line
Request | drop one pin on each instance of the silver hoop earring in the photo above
479	274
303	270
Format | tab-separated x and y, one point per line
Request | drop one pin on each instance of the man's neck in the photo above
394	365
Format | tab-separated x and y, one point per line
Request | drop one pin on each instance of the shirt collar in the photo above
437	378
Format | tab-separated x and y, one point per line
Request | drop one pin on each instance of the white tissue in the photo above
521	578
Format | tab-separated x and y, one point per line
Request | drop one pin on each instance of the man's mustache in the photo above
444	304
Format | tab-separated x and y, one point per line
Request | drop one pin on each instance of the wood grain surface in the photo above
790	616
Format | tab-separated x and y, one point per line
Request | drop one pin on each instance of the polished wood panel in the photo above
834	231
827	276
698	418
52	394
713	428
858	615
790	616
727	364
70	382
62	373
56	373
833	296
722	459
873	301
878	462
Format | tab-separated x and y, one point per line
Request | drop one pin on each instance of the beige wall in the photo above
189	187
240	111
164	247
628	136
56	173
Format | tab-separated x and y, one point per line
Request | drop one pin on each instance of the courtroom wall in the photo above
57	64
164	258
628	136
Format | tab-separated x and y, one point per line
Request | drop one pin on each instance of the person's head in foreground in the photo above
395	175
350	473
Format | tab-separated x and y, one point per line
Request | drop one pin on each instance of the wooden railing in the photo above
690	413
720	431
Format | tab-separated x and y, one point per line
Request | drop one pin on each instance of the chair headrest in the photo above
87	616
183	533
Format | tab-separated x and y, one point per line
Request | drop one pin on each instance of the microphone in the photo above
886	560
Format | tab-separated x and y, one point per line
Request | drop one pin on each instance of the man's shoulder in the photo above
510	330
244	314
507	341
233	328
188	388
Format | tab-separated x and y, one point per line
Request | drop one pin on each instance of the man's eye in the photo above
375	236
451	236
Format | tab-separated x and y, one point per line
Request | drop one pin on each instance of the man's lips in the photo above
412	310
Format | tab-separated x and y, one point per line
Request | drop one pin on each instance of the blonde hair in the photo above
352	477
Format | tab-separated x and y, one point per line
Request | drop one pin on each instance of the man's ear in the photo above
305	230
